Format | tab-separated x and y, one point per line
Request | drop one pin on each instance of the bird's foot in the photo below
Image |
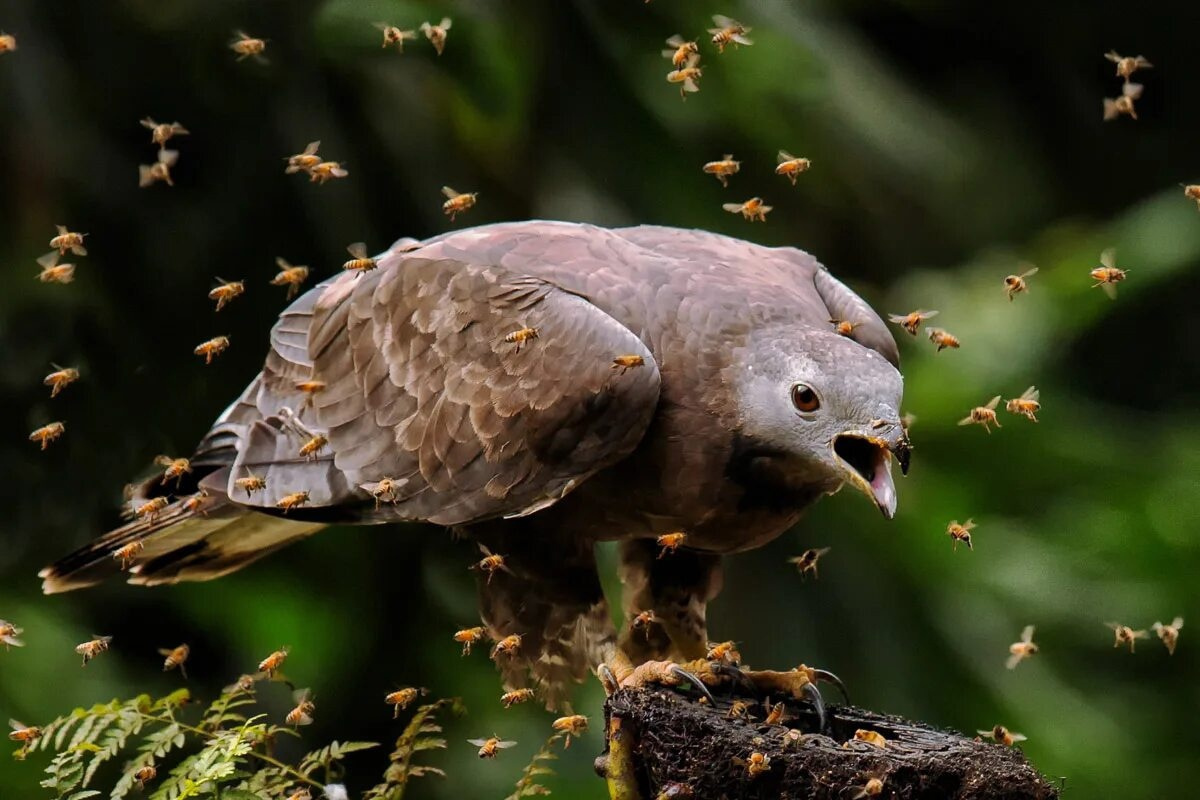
655	673
799	684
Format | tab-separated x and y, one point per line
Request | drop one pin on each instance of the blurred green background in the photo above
949	142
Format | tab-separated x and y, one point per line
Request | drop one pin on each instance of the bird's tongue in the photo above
882	487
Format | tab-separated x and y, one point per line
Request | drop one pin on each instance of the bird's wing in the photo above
845	304
423	388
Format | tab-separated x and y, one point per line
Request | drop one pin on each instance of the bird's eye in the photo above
804	398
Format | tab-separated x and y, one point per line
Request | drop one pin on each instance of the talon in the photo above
680	672
814	696
829	677
607	679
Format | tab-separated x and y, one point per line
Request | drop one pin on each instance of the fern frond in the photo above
527	785
416	737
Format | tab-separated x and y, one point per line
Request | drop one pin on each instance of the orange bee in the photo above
52	271
490	563
728	31
1123	634
290	277
194	502
212	348
625	363
791	166
519	337
457	202
68	240
8	42
303	161
313	446
488	747
507	646
293	500
1127	65
10	632
469	636
961	533
327	170
844	327
145	775
670	542
510	699
175	468
226	292
755	765
273	662
1026	405
302	713
872	788
775	715
687	76
311	387
726	652
244	683
643	621
874	738
984	415
1116	106
943	339
393	35
246	46
574	725
679	52
25	734
1169	634
1019	651
93	647
149	509
175	657
911	322
302	793
48	433
402	699
128	553
360	262
61	378
385	490
1192	192
436	34
160	170
1107	276
251	484
722	169
752	209
807	561
160	134
1002	735
1015	284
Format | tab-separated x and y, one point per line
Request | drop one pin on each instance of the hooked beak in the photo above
866	460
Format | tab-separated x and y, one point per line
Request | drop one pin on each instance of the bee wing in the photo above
1132	90
179	130
425	28
784	155
693	60
49	260
1110	109
358	250
1011	663
1110	290
1027	634
383	26
927	314
675	41
339	172
444	24
765	209
1143	63
168	157
1140	634
820	551
148	123
991	405
1113	56
1177	623
505	745
1029	272
690	85
17	726
450	193
302	696
733	208
965	420
740	39
984	734
1017	737
725	22
897	318
1113	625
1109	257
1031	393
477	742
668	53
311	148
165	651
282	263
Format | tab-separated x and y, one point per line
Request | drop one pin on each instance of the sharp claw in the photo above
814	695
607	679
829	677
683	674
734	672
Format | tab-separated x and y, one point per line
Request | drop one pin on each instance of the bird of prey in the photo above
471	382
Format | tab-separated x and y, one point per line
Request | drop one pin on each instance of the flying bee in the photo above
752	209
251	484
775	715
469	636
490	563
160	170
311	387
145	775
303	161
48	433
360	262
393	35
872	788
625	363
519	337
1127	65
728	31
843	327
302	714
247	46
290	277
1116	106
386	490
303	793
175	657
457	202
687	76
1169	634
1026	405
984	415
722	169
93	647
160	134
807	561
1107	276
195	502
960	533
226	292
874	738
1019	651
10	632
510	699
25	734
313	446
54	272
175	468
679	52
326	171
1015	284
668	543
911	322
128	553
574	725
507	646
755	765
244	684
1002	735
61	378
725	652
68	240
273	662
436	34
790	166
490	746
1192	192
212	348
403	698
1123	634
943	339
8	42
643	621
293	500
149	509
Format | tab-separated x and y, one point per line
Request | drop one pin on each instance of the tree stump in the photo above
662	743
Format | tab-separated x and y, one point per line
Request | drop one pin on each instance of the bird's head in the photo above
824	410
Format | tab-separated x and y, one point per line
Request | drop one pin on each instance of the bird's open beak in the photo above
866	459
